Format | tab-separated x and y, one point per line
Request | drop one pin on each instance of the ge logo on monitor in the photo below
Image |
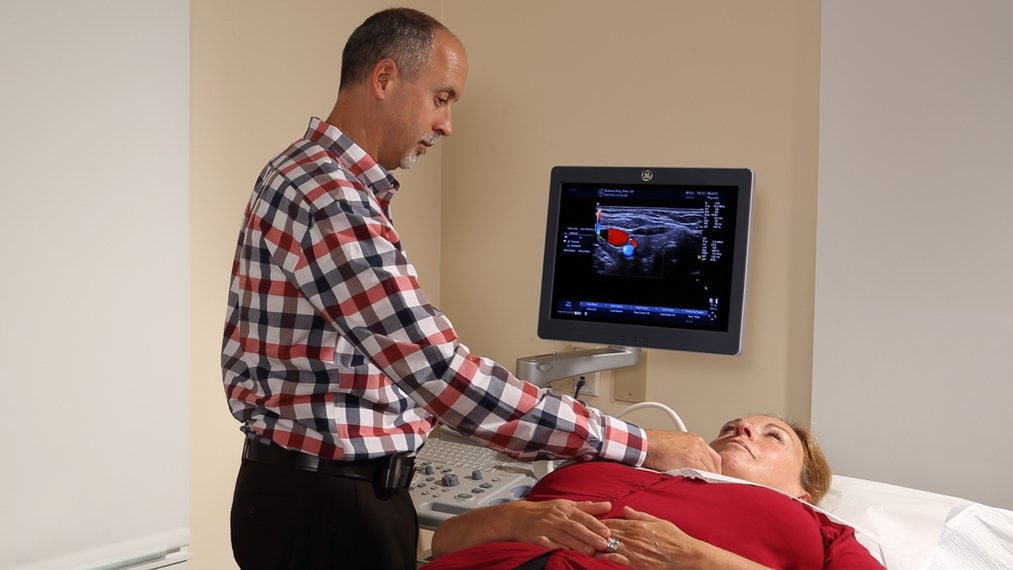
646	175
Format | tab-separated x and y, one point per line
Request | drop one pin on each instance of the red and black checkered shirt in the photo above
332	348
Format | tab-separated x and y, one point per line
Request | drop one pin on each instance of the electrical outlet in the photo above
590	384
569	385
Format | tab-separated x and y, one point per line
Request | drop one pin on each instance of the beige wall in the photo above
688	83
259	71
707	83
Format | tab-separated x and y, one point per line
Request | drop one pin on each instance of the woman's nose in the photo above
745	429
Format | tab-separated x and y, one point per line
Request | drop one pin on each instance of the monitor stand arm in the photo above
543	369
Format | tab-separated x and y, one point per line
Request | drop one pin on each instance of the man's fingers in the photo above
671	450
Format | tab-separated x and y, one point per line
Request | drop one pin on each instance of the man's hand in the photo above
675	449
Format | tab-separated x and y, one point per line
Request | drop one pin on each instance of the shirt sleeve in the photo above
345	258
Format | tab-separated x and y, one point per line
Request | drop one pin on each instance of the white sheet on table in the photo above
976	536
906	523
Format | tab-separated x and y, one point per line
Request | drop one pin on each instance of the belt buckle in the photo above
397	472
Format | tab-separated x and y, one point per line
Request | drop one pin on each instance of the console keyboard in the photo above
453	477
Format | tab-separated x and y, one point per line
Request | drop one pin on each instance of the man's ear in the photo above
385	73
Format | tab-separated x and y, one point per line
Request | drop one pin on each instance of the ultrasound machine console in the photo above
453	476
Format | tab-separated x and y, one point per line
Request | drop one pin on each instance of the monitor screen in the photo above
646	257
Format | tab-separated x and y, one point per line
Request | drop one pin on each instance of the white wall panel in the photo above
94	296
913	356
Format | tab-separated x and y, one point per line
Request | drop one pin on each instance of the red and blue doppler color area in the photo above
616	237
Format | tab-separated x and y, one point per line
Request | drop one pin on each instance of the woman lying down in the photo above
600	514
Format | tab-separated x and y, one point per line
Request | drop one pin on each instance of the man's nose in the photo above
444	127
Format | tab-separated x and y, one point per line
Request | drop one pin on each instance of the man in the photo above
333	358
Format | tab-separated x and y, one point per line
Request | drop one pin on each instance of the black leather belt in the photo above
390	473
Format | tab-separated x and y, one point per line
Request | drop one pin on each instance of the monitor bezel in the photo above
637	335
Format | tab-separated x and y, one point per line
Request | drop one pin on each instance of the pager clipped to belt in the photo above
396	473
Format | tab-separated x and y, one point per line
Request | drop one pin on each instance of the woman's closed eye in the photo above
776	435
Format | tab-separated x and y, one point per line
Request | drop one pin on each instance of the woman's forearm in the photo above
557	523
487	524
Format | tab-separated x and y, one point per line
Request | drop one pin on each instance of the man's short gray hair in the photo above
401	34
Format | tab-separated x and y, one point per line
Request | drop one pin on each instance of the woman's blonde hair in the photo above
816	474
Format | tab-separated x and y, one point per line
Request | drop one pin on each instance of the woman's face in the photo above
763	450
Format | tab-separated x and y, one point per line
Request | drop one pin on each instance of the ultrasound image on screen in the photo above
646	242
643	255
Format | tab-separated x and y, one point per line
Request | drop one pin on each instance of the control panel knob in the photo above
450	480
429	470
476	474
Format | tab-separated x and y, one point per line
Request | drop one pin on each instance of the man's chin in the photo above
409	160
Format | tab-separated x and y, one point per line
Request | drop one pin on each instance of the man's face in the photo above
422	107
763	450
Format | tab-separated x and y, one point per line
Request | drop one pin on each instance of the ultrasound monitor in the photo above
646	257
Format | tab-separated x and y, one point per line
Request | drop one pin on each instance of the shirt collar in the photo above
354	159
709	477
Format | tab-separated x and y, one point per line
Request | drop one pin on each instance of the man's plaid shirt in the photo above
332	348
